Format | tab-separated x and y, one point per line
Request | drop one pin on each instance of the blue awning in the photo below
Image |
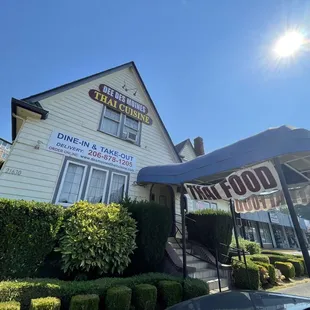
293	145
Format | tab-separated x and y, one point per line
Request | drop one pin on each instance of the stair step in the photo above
189	258
198	264
203	273
223	289
214	283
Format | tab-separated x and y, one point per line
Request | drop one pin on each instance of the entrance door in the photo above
164	195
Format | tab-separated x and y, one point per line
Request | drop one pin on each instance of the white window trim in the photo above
110	185
63	179
89	178
137	130
119	122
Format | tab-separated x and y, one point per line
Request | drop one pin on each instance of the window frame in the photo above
63	180
119	122
137	130
88	181
110	183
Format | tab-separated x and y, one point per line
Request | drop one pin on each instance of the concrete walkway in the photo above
299	290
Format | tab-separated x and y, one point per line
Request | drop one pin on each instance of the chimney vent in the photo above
198	146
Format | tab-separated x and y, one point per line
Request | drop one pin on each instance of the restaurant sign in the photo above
239	185
76	147
121	103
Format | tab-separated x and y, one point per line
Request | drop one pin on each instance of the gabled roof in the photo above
179	147
57	90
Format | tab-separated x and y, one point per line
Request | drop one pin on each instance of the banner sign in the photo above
73	146
121	103
299	195
239	185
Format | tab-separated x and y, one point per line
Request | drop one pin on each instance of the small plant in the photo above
84	302
169	293
97	237
246	280
144	297
118	298
47	303
271	271
263	275
194	288
249	246
10	305
260	258
286	268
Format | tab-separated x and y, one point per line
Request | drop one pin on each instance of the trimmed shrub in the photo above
194	288
263	274
84	302
97	238
144	297
169	293
271	271
299	267
272	253
28	232
118	298
286	268
249	246
260	258
241	279
47	303
10	305
211	228
276	258
154	224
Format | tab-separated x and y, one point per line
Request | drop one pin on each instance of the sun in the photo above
289	44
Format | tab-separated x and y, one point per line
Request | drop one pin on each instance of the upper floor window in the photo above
121	126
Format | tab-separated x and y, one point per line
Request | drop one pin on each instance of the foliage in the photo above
84	302
169	293
97	237
263	274
249	246
47	303
269	252
194	288
260	258
28	232
154	225
118	298
276	258
144	297
211	228
299	267
243	280
10	305
271	271
286	268
25	290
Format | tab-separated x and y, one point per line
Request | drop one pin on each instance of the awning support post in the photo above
182	205
232	210
293	214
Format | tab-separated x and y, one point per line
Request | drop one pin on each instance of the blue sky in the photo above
207	64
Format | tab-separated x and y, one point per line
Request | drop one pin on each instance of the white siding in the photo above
188	152
73	111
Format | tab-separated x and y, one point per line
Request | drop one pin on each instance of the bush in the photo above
299	267
249	246
169	293
241	279
84	302
47	303
272	252
10	305
286	268
144	297
154	226
260	258
211	228
97	238
271	271
118	298
276	258
28	233
263	274
194	288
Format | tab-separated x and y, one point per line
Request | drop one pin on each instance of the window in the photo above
265	233
96	187
121	126
71	185
117	187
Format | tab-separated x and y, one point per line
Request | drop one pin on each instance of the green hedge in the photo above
299	267
272	253
240	276
118	297
249	246
169	293
47	303
271	271
10	305
260	258
211	228
276	258
28	232
84	302
154	224
144	297
25	290
287	269
194	288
